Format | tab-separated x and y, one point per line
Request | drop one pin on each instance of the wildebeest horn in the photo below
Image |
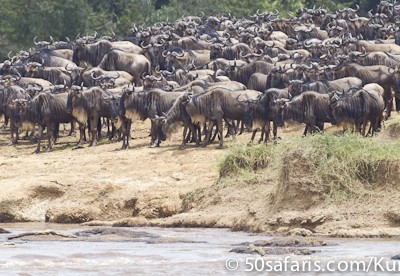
391	70
39	86
259	53
9	55
114	78
34	40
305	43
160	78
355	10
177	55
245	56
106	98
165	53
67	68
97	78
19	76
242	101
143	46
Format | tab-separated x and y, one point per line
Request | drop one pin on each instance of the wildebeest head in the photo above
20	109
9	80
282	105
109	101
153	52
216	51
126	93
74	96
104	82
150	81
171	58
33	89
76	72
176	112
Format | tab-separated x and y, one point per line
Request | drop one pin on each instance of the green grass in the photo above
337	167
244	159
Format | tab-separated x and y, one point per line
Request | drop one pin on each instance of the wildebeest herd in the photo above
209	74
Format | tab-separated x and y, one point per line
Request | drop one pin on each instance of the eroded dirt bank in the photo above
168	187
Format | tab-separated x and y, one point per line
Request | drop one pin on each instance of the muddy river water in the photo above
172	251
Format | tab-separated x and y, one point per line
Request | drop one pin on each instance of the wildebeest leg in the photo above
128	133
108	127
93	122
51	129
194	130
153	134
184	139
39	139
320	126
241	127
198	129
6	119
388	100
364	127
55	131
305	131
221	140
254	135
207	138
212	139
81	134
72	130
204	132
99	125
14	131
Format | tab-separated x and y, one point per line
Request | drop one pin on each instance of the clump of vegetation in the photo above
244	159
322	166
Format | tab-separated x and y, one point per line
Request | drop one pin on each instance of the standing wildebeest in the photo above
89	106
370	74
219	104
264	111
47	110
147	104
358	108
178	113
310	108
8	93
134	64
396	80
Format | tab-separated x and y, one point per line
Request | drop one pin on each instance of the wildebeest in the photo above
311	108
88	106
178	113
219	104
359	107
46	110
8	93
147	104
134	64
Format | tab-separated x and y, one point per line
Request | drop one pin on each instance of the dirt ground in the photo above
164	186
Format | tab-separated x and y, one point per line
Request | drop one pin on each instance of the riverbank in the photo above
325	185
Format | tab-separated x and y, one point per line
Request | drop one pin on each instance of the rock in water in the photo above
397	257
3	231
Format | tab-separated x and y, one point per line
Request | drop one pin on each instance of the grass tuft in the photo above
333	167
